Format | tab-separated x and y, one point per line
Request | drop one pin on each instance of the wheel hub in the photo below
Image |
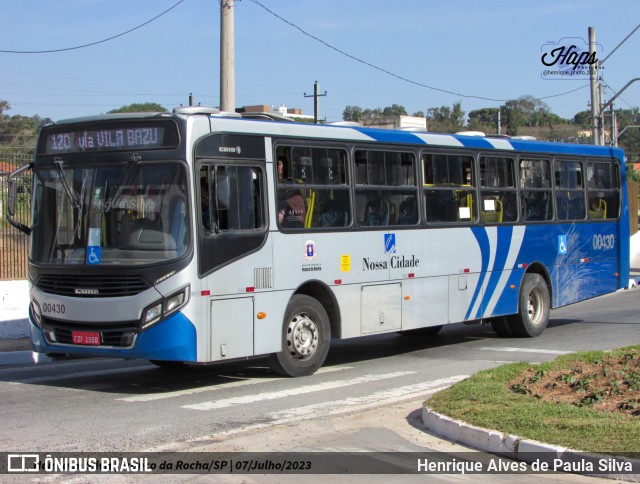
302	336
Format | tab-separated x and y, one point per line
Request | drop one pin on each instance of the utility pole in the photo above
315	97
227	58
614	128
499	120
593	77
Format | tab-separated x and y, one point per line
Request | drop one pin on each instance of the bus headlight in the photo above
152	315
174	302
165	307
37	314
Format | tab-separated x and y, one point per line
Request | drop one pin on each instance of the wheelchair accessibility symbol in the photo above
562	244
94	254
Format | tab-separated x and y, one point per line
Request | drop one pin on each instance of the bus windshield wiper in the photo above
58	163
124	177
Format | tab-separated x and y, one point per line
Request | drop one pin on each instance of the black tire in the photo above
306	337
169	365
534	306
430	331
501	326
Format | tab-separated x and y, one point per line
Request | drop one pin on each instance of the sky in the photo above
368	53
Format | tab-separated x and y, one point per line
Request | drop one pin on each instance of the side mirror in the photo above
11	197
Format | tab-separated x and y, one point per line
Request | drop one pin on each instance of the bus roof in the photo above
274	127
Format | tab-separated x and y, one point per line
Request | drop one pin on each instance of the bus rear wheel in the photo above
534	307
306	336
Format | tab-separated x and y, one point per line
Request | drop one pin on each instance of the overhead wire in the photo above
65	49
398	76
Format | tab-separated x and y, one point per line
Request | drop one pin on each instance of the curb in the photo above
495	442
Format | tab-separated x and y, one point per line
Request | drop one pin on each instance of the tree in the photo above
356	113
526	111
394	110
484	119
583	119
18	130
140	108
630	139
352	113
446	119
4	106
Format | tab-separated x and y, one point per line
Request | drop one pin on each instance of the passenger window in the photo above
498	193
449	188
312	190
603	190
569	190
385	188
535	190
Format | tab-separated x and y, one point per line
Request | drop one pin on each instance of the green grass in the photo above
486	400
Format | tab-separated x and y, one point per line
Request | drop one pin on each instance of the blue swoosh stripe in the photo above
483	242
502	251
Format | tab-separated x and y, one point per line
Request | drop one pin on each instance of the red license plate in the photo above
85	338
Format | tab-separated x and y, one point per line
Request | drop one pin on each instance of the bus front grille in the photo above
119	335
91	286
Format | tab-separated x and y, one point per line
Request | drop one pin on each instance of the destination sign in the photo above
136	137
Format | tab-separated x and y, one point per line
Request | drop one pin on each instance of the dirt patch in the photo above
610	384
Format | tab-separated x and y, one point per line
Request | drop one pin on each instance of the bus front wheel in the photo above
534	307
306	336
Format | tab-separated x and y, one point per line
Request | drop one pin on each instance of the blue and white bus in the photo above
198	236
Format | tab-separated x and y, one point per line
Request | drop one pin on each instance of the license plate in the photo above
85	338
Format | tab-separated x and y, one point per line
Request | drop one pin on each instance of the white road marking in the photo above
336	407
379	398
239	382
526	350
228	402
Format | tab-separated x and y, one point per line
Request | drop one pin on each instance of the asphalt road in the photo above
366	398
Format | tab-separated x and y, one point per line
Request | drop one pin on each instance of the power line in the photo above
393	74
91	43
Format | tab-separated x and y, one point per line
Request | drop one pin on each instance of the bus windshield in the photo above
127	214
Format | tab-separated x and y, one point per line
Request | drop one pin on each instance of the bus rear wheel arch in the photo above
534	307
306	337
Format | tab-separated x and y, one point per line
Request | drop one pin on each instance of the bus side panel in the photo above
267	332
462	288
231	327
587	265
427	304
582	259
500	249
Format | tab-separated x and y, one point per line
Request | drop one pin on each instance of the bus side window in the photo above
498	190
569	187
449	188
385	186
292	209
232	199
603	190
205	202
312	188
535	194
